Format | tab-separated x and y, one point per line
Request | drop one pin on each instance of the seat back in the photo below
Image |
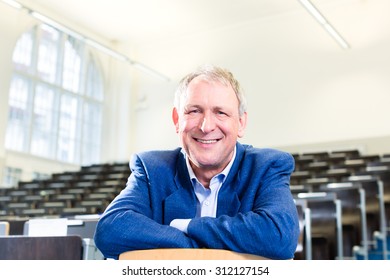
4	228
323	221
354	222
41	248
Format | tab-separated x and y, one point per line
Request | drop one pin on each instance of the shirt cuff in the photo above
180	224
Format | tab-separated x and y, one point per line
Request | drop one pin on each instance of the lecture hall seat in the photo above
41	248
4	228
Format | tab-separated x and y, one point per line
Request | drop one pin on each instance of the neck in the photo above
204	175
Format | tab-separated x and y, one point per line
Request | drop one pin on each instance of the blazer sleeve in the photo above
270	229
128	223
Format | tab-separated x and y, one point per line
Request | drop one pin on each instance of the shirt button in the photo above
207	203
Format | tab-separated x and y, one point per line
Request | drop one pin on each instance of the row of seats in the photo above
344	201
87	191
76	197
51	238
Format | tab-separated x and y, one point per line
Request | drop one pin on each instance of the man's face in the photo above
208	124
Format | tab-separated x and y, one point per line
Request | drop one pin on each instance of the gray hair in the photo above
212	73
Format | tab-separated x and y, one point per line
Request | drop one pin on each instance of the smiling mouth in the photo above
212	141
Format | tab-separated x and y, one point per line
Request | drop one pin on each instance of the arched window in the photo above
55	98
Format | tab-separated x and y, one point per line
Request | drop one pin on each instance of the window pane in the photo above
68	130
37	176
19	114
44	126
48	54
72	66
91	133
94	82
23	51
11	176
55	76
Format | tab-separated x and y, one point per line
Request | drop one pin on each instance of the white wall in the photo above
296	96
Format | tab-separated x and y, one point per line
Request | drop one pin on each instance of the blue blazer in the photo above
256	213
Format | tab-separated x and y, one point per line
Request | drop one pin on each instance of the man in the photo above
213	192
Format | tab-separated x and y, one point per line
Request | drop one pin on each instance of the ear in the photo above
175	118
242	125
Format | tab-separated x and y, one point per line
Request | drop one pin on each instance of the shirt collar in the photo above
223	174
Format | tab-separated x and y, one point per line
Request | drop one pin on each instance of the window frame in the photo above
31	75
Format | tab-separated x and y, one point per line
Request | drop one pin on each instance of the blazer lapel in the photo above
181	204
228	200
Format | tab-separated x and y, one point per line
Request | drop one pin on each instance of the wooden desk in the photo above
186	254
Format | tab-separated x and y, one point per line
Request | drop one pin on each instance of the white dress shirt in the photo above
207	198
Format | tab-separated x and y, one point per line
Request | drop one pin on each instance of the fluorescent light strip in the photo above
56	25
106	50
144	68
13	4
88	41
336	36
325	24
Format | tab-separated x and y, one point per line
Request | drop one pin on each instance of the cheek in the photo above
187	125
231	128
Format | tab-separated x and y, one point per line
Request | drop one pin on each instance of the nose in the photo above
208	123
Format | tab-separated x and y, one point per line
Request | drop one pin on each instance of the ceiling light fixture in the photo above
13	4
90	42
324	23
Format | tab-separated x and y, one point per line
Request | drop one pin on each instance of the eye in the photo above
192	111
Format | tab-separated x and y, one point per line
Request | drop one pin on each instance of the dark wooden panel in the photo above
41	248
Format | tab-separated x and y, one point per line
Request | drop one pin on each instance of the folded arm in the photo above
130	224
269	228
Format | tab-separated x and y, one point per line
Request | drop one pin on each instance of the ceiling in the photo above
151	20
152	29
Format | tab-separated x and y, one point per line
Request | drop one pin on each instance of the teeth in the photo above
207	141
